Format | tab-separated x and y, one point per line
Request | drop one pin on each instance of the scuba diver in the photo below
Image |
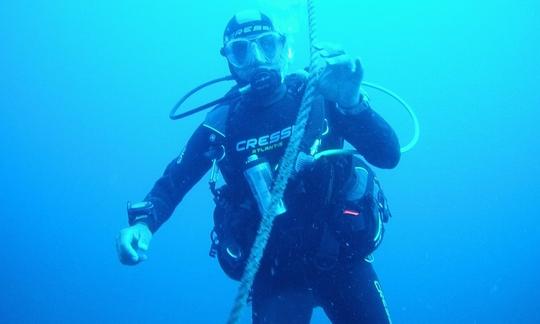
333	211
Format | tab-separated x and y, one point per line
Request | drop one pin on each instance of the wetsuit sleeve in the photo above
180	176
369	133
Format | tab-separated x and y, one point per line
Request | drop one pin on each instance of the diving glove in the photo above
132	243
341	76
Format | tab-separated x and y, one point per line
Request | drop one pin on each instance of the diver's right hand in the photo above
132	243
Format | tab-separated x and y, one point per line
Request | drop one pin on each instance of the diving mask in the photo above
265	47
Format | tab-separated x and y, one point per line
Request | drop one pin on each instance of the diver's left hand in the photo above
341	76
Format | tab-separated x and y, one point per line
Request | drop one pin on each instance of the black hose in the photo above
229	96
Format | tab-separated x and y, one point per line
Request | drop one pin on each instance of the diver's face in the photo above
246	55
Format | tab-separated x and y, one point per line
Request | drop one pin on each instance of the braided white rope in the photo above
285	170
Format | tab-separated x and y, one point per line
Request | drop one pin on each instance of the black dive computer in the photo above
140	211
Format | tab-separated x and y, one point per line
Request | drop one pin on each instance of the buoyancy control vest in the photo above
336	206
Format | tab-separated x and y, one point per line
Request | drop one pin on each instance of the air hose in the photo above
405	105
287	165
228	97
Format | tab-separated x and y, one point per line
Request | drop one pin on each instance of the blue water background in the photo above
85	89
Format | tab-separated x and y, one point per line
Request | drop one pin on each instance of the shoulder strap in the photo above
296	83
216	119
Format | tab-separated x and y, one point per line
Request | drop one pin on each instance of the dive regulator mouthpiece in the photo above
264	81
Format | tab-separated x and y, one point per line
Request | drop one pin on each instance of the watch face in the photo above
140	208
140	205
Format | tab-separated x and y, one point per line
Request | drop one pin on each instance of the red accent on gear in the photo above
351	212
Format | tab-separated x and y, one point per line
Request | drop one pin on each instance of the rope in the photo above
285	171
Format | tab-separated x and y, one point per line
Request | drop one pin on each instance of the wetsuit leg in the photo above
352	294
278	302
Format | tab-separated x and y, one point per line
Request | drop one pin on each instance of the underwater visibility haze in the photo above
85	92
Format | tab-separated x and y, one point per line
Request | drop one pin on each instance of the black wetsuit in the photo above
287	286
